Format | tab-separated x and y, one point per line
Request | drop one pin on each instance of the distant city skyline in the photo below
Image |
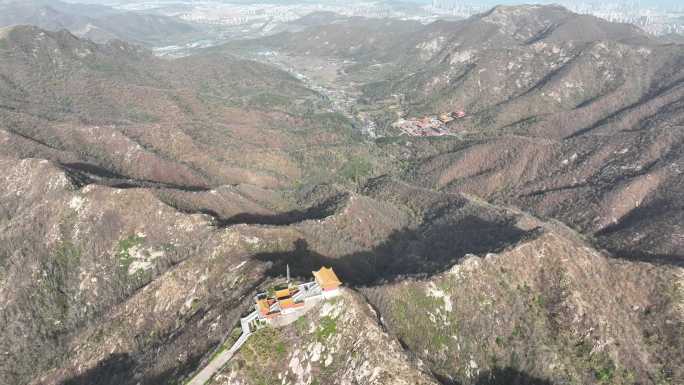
657	17
641	3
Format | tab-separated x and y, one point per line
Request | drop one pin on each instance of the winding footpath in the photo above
222	358
218	362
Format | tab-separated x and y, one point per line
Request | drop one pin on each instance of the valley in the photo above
327	77
500	195
389	94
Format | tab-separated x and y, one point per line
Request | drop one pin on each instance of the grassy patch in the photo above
486	118
234	335
103	67
327	327
663	378
604	374
67	254
181	103
356	169
601	365
66	104
265	344
267	101
440	340
140	116
301	325
517	332
123	251
333	121
66	260
262	350
55	296
409	312
280	348
222	348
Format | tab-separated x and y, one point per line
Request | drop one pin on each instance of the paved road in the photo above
217	363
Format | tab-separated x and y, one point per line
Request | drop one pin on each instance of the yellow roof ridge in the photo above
326	276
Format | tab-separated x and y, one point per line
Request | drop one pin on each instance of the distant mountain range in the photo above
95	22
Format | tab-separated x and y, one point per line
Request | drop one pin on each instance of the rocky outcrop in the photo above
552	308
338	342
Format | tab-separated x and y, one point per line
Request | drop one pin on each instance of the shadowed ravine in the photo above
405	253
85	173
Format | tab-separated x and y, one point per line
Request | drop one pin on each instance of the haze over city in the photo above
654	16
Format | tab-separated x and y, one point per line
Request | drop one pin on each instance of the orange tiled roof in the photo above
282	293
326	277
264	308
273	315
289	303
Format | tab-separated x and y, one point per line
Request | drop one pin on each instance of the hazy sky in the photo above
645	3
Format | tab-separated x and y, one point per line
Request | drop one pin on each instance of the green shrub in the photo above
326	328
301	324
123	251
356	169
139	116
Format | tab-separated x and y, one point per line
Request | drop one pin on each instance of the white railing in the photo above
306	291
245	321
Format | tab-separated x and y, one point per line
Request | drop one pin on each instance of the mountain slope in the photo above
120	167
567	116
146	305
541	312
187	119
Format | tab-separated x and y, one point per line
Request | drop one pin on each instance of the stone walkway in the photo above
309	293
218	362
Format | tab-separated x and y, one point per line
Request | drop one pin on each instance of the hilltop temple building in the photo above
328	282
293	299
